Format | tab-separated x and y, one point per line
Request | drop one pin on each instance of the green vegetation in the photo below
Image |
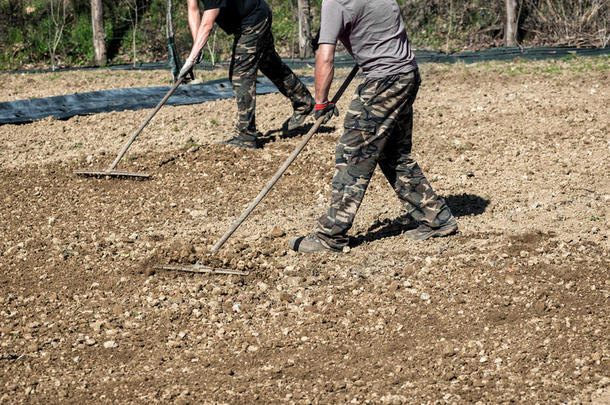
191	143
66	252
29	28
531	67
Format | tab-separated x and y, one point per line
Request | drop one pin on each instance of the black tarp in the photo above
62	107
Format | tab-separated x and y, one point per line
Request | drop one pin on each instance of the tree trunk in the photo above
305	48
99	33
135	29
511	27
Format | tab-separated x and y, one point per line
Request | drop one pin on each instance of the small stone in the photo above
262	286
293	281
510	279
425	296
109	344
448	350
90	341
277	232
96	326
450	375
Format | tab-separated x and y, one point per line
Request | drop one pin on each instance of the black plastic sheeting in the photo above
506	53
422	56
63	107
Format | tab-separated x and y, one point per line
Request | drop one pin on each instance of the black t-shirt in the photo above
235	14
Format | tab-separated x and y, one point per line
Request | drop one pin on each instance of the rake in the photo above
199	268
111	170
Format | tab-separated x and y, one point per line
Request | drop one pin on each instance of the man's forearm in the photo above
324	71
194	17
203	32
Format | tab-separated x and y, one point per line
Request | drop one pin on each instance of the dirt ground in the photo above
512	309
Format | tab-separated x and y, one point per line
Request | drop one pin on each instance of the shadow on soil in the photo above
461	205
466	204
300	131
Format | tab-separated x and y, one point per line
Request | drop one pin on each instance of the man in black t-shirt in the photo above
253	49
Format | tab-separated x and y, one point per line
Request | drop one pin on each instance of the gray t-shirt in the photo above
372	31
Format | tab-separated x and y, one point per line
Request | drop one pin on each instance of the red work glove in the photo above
327	110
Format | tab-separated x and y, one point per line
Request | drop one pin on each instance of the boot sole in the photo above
434	233
295	244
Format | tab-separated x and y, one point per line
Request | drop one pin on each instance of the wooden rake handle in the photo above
284	166
146	121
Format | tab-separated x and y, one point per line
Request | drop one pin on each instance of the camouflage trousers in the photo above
378	127
253	49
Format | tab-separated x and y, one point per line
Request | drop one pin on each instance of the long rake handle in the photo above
146	121
284	166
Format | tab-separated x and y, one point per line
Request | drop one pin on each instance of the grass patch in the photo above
516	67
191	143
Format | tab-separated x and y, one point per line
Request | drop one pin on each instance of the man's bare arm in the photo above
203	32
194	17
324	71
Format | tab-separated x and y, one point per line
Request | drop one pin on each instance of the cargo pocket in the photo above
358	115
360	122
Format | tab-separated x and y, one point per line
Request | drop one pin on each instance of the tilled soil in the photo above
514	308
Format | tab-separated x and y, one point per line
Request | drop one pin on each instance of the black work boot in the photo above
296	120
311	244
243	141
425	231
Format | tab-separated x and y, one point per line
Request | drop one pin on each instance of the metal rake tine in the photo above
199	268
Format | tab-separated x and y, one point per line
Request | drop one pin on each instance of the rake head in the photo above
111	173
199	268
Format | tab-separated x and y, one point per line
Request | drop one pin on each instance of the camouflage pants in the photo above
378	127
253	49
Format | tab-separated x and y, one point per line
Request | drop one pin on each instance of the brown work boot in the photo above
425	231
311	244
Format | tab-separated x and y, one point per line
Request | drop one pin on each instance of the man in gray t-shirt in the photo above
372	32
378	123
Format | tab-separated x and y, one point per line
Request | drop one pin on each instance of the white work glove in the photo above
188	65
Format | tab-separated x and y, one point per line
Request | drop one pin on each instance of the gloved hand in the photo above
187	67
327	110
